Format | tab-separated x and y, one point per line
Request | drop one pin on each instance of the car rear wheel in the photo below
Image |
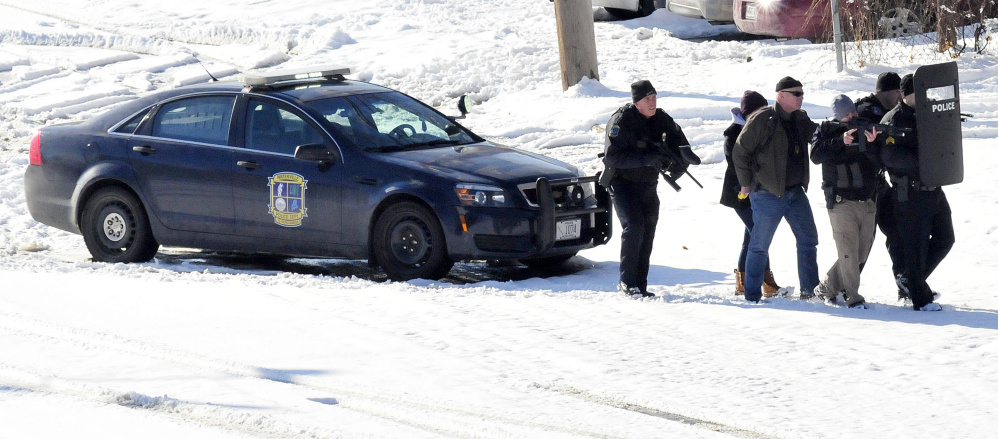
115	227
548	262
899	22
645	8
409	243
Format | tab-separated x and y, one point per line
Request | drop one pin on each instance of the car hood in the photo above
484	162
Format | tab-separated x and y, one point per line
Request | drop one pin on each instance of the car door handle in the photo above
247	165
144	150
366	181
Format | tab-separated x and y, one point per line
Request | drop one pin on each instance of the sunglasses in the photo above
798	94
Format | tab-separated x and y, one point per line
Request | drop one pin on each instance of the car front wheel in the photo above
409	243
115	227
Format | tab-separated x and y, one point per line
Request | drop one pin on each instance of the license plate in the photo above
750	11
568	229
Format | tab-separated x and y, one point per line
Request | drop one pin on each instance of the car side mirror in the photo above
464	104
317	152
452	129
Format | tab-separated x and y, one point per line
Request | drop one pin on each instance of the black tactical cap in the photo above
641	89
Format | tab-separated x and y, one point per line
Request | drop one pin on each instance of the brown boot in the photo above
769	286
739	283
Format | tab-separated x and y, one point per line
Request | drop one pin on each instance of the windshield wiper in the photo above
387	148
439	142
402	146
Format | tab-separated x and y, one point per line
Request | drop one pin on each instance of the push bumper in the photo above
552	225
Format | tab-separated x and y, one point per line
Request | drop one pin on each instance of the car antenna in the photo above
213	78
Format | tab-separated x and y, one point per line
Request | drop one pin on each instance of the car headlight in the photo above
480	195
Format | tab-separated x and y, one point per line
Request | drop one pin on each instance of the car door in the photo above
182	159
293	206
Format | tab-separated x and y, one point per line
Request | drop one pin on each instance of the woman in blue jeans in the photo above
751	102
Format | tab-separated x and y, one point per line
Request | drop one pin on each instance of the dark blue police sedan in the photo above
307	163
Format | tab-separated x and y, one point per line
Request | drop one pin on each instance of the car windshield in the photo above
388	121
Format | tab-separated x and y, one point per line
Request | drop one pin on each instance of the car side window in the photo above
274	129
345	123
203	119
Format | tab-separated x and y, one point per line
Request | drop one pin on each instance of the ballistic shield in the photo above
940	134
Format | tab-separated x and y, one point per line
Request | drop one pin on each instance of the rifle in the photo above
674	166
862	125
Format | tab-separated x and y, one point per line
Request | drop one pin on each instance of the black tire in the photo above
409	243
645	8
548	262
116	228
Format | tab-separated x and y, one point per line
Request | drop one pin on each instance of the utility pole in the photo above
576	41
837	36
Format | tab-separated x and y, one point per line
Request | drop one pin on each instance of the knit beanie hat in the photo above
907	85
641	89
787	82
842	106
751	101
888	81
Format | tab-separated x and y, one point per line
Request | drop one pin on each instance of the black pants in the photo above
886	199
924	227
637	205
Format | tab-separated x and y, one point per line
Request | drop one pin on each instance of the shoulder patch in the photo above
614	130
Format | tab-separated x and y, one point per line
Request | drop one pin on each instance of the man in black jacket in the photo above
849	180
633	137
921	215
872	109
887	95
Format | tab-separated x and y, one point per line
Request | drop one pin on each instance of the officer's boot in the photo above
769	286
739	282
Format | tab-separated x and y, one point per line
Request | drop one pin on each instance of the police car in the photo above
307	163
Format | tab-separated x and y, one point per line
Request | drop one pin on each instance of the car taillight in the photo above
35	153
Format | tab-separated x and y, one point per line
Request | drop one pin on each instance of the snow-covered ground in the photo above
213	346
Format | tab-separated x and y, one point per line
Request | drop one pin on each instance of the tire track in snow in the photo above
255	425
118	39
438	417
613	402
500	340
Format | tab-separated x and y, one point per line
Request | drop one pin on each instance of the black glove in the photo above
688	155
677	169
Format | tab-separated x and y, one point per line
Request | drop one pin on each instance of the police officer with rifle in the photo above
849	179
920	213
642	142
872	109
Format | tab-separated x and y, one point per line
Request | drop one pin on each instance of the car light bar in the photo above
269	78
